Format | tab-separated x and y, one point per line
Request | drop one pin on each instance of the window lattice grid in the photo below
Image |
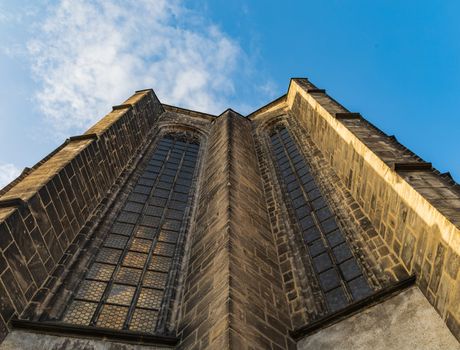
340	278
124	287
144	320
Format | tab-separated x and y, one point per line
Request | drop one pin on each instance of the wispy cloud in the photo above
88	55
8	172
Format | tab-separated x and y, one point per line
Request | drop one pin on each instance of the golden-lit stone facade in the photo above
162	227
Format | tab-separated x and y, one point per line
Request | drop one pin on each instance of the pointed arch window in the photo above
339	275
130	281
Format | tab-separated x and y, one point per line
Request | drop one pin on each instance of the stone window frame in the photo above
300	255
135	291
84	248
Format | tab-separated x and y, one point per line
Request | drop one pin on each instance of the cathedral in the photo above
298	226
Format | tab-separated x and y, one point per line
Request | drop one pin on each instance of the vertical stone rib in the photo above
258	310
233	292
205	307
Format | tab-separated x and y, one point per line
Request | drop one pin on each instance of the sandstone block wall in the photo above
393	324
414	209
233	291
204	306
244	281
306	301
43	211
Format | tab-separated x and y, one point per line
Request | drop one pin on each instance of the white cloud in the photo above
88	55
8	172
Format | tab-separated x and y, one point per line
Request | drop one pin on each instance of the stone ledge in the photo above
412	166
90	136
57	328
349	115
447	175
123	106
430	236
144	90
12	202
352	309
187	111
319	91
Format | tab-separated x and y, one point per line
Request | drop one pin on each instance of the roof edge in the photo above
191	112
267	106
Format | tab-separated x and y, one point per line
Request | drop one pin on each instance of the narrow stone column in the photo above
233	290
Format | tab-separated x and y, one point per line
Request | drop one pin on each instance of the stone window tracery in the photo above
126	284
339	275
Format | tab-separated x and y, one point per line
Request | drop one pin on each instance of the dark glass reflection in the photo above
340	277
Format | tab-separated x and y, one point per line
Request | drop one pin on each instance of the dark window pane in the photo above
323	214
311	234
336	299
122	229
329	280
342	252
318	203
142	189
127	217
133	207
329	225
116	241
335	238
322	262
336	269
306	222
359	288
350	269
317	247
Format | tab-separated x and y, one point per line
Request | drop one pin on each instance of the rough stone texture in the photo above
60	194
92	240
304	296
23	340
233	296
421	232
380	262
415	212
404	322
242	278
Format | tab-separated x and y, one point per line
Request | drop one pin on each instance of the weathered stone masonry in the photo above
254	265
413	208
233	292
42	215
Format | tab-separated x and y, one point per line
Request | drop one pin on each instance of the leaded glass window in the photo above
340	277
125	285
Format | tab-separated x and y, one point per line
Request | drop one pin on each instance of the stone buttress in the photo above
299	226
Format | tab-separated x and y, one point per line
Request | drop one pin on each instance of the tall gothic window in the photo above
339	276
126	286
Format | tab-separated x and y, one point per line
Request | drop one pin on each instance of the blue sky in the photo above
64	63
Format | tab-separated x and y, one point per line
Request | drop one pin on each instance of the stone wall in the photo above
243	280
43	211
233	291
405	322
413	208
204	309
378	262
25	340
